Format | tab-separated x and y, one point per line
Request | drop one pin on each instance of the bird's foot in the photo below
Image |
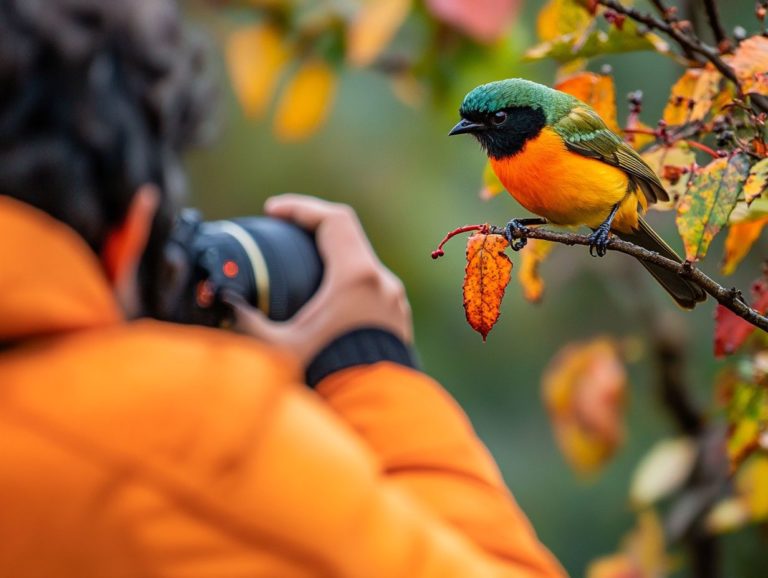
598	241
516	234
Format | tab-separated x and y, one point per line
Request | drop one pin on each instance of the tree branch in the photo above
669	347
688	42
713	15
731	299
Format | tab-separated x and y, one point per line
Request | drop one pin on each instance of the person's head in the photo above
98	99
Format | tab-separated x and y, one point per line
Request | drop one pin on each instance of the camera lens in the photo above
272	264
284	260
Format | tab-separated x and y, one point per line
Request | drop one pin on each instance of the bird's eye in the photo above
499	118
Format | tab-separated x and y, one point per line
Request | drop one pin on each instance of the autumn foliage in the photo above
708	147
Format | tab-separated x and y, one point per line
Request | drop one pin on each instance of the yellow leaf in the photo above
747	417
486	277
692	96
256	56
646	545
583	389
597	91
728	515
560	17
491	184
750	63
750	504
741	237
678	156
534	253
662	471
614	566
757	181
373	27
306	102
642	553
752	485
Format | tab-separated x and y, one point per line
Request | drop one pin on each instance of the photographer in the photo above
136	447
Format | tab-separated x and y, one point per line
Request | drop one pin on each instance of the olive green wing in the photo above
585	133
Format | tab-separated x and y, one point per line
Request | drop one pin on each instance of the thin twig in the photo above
669	347
685	40
669	16
731	299
674	32
713	15
660	7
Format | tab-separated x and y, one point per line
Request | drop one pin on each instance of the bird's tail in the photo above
686	293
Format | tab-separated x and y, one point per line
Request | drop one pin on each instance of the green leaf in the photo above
709	200
598	42
757	181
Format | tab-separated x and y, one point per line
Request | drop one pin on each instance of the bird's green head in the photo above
504	115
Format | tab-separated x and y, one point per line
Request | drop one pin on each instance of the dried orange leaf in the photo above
709	200
679	157
486	277
583	389
692	96
750	63
757	181
597	90
483	20
306	102
491	184
741	237
534	253
256	56
560	17
373	27
662	471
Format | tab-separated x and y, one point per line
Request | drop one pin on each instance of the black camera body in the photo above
272	264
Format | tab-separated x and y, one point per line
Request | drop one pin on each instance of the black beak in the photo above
465	126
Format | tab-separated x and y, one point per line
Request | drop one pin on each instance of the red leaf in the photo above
731	331
483	20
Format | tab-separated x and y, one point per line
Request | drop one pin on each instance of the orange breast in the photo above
565	187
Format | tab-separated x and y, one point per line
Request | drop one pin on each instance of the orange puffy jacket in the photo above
150	449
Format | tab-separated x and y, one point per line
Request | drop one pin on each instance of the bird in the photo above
557	157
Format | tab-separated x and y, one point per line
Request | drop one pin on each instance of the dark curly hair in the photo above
97	98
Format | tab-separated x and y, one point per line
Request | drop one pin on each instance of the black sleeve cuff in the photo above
358	347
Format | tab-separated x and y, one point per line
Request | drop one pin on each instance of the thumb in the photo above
248	319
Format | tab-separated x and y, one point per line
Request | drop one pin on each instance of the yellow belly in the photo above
565	187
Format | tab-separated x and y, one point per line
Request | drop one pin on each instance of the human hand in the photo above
357	290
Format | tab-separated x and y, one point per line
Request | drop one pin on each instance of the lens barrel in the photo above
274	265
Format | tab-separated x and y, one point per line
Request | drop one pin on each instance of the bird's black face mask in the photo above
502	133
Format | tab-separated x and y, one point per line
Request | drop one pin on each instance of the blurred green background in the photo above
410	184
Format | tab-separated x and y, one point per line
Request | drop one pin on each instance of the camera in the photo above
272	264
